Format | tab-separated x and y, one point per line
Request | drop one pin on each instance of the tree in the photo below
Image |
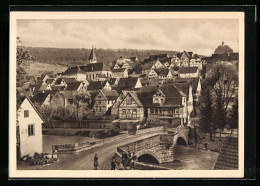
80	102
220	117
206	118
224	78
233	116
47	112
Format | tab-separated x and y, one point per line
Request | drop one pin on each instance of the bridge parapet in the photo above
158	146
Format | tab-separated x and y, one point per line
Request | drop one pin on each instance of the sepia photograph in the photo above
126	94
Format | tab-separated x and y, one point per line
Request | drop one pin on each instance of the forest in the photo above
72	56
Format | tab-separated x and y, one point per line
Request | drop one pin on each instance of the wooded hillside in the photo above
70	57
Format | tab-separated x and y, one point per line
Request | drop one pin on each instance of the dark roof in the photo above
179	54
207	59
73	70
133	58
164	60
58	87
194	82
96	85
228	156
50	80
73	85
68	94
127	83
157	56
184	87
171	91
154	82
69	80
234	56
196	56
92	67
39	98
162	71
220	57
186	70
92	55
112	81
221	49
147	66
118	70
110	94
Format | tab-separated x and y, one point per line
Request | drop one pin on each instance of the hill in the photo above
71	56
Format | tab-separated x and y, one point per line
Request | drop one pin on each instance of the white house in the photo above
29	129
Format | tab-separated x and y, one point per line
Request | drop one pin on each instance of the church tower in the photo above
92	57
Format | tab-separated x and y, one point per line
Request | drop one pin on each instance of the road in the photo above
84	160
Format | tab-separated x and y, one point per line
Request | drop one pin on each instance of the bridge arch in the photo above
179	138
148	152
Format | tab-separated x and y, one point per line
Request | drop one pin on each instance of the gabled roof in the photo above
27	98
145	94
127	83
39	98
50	80
162	71
220	57
179	54
68	94
58	87
41	87
96	85
69	80
194	82
184	87
73	85
135	96
133	58
92	67
228	156
171	91
147	66
110	94
187	70
73	70
118	70
164	60
112	81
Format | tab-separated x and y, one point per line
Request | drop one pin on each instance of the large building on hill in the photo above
222	49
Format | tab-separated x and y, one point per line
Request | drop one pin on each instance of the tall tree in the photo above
233	117
47	112
220	117
224	78
206	115
80	101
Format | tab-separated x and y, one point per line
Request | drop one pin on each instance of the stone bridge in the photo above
157	148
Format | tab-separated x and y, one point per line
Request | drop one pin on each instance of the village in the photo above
129	102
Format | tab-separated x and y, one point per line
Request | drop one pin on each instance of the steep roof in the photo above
73	85
68	94
39	98
178	55
162	71
186	70
92	55
118	70
145	95
50	80
127	83
69	80
110	94
194	82
221	49
184	87
220	57
92	67
171	91
73	70
95	85
58	87
147	66
42	87
112	81
228	156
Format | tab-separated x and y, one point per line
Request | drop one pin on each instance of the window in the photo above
124	112
31	130
128	101
26	113
176	111
152	110
155	100
180	111
134	113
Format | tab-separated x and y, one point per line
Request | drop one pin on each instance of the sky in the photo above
200	36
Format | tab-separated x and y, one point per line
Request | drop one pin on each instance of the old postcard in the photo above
126	95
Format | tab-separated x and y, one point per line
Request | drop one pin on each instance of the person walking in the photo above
113	164
96	164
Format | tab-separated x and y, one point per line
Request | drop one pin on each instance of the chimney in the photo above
222	43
